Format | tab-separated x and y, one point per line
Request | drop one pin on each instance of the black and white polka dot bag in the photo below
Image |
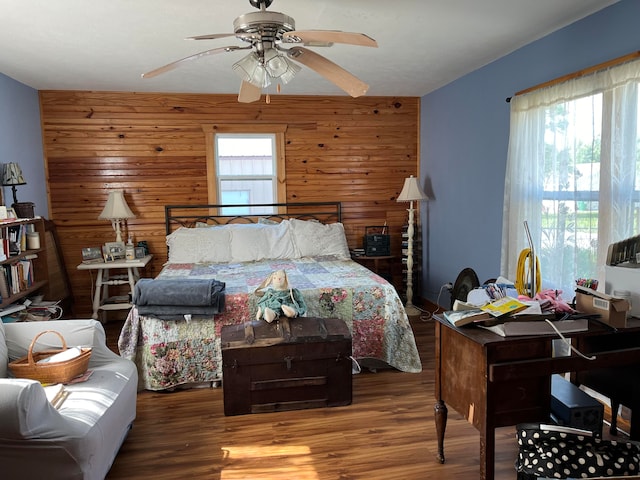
551	451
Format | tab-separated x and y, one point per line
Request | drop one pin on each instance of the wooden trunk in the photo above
289	364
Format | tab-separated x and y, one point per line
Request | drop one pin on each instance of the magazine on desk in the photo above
505	306
465	314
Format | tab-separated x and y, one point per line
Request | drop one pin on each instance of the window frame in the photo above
278	130
524	169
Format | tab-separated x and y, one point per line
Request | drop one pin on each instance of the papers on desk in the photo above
521	318
514	328
465	313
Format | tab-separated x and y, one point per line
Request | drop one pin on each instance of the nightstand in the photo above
368	261
106	277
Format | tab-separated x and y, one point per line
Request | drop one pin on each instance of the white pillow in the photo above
280	241
199	245
314	239
255	241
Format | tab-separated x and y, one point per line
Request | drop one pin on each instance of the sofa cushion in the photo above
4	352
28	414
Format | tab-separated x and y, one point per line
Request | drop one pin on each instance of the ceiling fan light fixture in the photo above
278	66
292	70
245	67
250	70
260	77
275	63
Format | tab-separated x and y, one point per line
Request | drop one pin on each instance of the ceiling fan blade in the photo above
249	92
328	37
214	36
177	63
329	70
211	36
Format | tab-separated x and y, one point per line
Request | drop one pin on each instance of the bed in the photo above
240	246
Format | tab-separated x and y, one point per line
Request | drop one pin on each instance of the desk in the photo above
104	278
621	385
496	382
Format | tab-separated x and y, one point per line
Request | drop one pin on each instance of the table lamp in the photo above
116	210
411	191
12	176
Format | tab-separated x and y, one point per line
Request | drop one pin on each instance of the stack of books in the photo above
11	313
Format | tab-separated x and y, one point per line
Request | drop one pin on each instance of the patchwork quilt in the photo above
171	353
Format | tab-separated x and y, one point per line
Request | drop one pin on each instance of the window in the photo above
573	173
245	165
245	170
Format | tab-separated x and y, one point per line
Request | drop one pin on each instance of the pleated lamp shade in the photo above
116	210
411	190
116	207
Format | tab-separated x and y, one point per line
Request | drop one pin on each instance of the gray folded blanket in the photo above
172	312
191	296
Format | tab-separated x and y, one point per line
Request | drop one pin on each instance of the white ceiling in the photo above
423	44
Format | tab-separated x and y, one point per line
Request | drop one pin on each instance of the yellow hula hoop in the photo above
523	271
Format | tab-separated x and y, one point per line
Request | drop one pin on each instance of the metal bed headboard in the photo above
191	215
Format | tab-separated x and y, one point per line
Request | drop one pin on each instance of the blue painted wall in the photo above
21	142
465	136
464	139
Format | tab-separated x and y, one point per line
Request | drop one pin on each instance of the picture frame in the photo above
140	252
114	251
92	255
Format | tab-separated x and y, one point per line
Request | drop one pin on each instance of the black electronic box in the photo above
573	407
377	244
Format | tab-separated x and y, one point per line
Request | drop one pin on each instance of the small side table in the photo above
367	260
105	278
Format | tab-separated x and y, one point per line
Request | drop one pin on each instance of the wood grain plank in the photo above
154	146
387	433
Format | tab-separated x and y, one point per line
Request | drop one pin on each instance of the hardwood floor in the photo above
387	433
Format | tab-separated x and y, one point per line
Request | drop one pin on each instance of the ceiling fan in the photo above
273	43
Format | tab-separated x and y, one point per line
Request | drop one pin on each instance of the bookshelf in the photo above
24	269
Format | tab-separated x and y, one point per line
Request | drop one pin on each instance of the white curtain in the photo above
573	175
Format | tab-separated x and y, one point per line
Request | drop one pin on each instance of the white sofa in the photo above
82	438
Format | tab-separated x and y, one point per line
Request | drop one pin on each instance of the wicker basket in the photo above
24	209
54	372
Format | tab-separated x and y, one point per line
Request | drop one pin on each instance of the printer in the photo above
620	278
622	271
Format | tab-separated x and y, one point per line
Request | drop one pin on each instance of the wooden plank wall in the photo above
357	151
